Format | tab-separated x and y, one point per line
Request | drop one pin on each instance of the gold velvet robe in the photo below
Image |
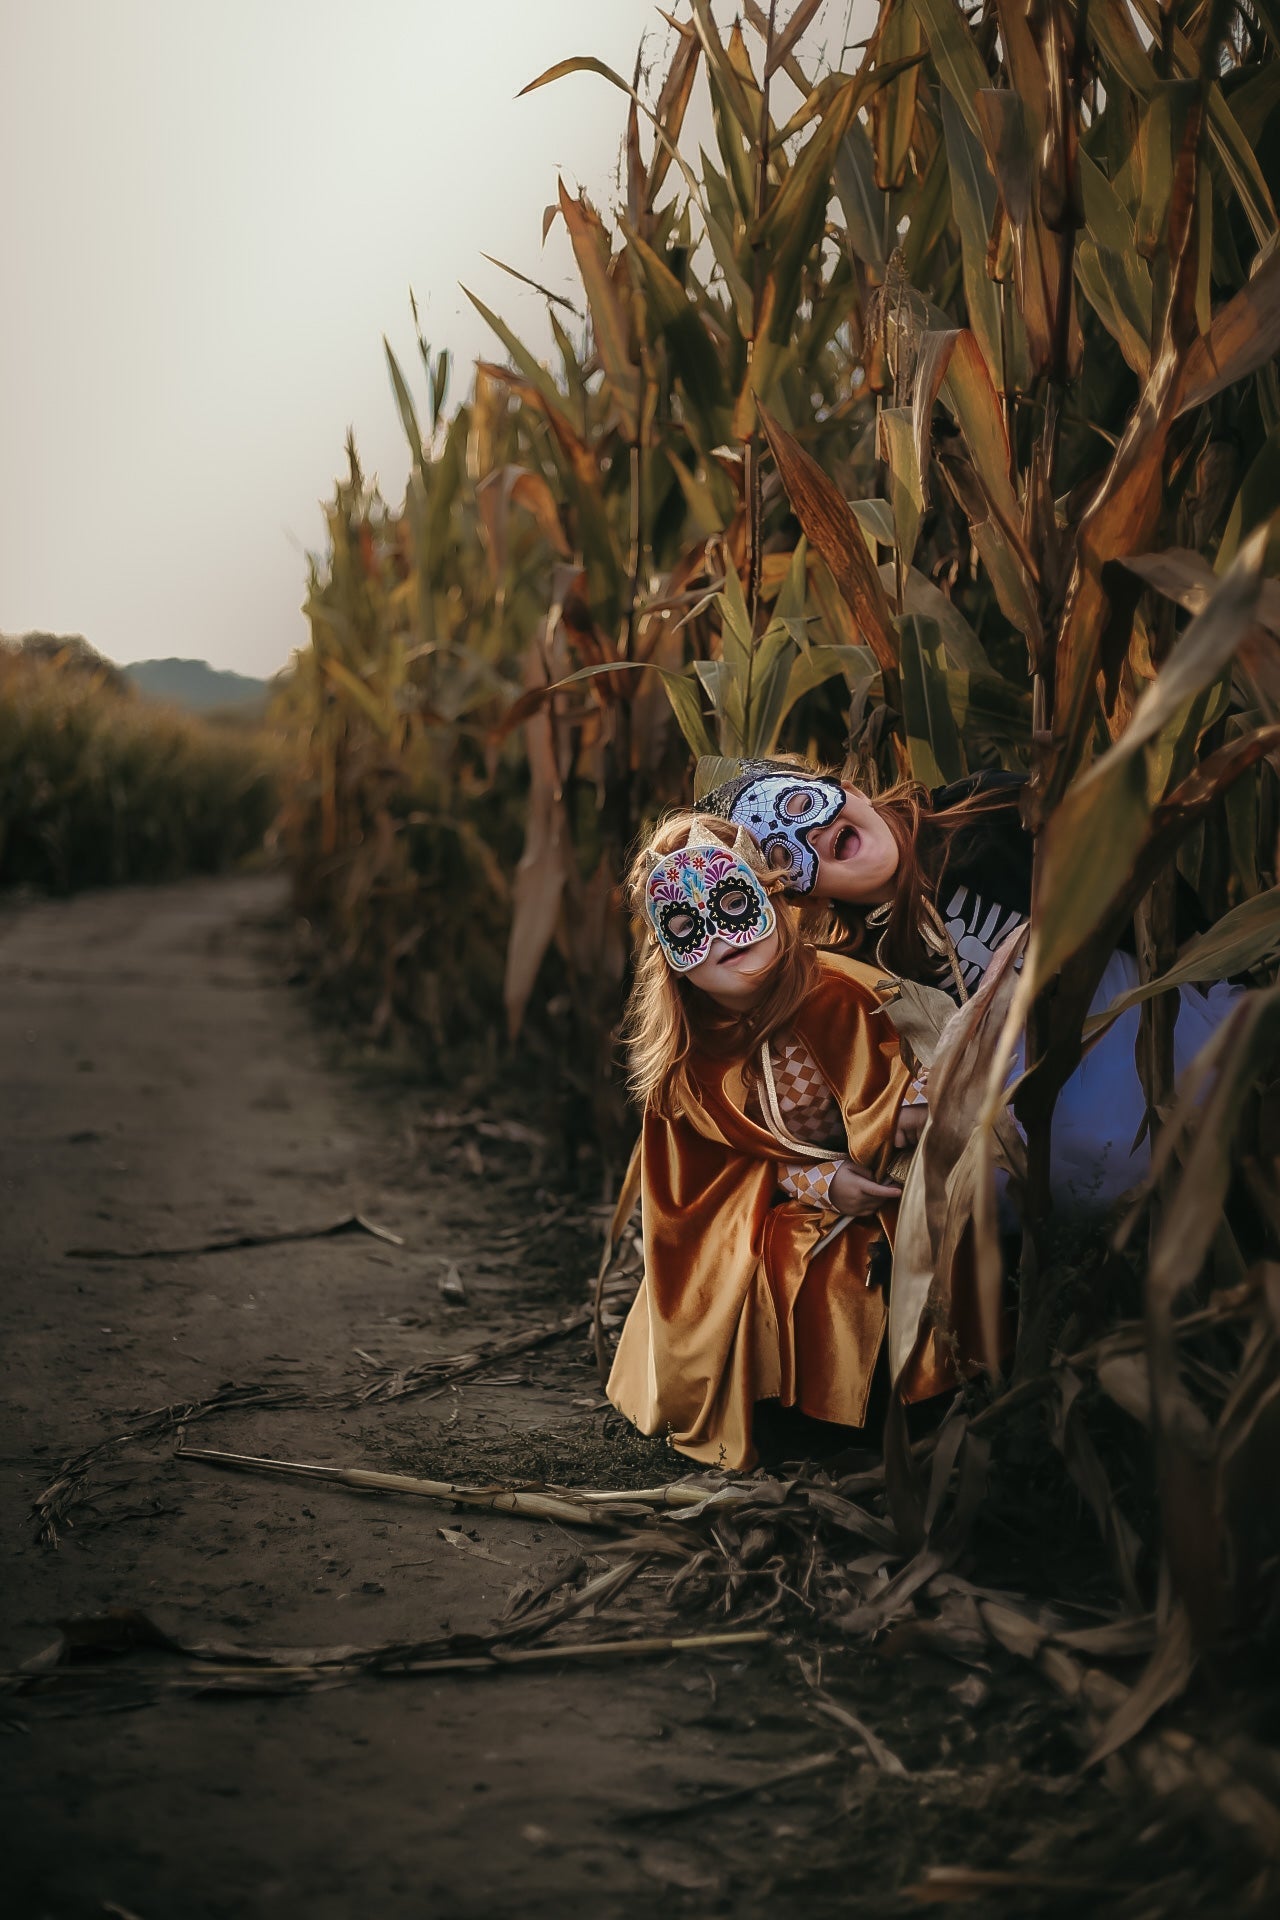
735	1306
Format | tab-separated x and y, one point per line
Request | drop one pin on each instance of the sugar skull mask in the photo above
779	809
703	892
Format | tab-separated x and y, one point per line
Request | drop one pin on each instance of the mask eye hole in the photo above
779	857
735	906
682	930
798	804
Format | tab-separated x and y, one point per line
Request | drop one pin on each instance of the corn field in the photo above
99	786
927	422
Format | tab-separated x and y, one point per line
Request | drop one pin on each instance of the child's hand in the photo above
910	1125
855	1192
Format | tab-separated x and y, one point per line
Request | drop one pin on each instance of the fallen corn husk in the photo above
582	1507
91	1651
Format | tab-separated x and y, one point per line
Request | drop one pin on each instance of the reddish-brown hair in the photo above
926	841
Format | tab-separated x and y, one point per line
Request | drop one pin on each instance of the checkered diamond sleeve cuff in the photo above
810	1180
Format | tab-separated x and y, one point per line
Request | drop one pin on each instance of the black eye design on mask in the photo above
798	803
681	929
734	907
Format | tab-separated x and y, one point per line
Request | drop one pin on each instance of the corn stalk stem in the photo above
1066	90
590	1507
751	446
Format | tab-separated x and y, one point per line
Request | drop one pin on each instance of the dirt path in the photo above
163	1088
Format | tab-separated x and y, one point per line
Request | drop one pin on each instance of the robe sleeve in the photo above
693	1344
810	1180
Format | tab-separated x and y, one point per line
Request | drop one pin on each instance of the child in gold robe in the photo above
773	1092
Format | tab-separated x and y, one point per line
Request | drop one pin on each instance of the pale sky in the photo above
211	215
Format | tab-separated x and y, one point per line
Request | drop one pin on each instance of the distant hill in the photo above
195	685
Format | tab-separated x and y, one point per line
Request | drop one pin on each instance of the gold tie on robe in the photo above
735	1305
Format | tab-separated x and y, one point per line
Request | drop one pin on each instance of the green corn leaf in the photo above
963	649
725	689
774	357
706	516
407	410
1254	103
532	369
380	715
680	688
682	692
714	770
1160	140
721	215
789	607
955	55
666	125
1243	336
894	114
738	171
930	239
1092	840
1256	500
694	359
440	384
973	201
952	364
985	707
719	63
736	641
875	517
861	200
1115	279
818	664
796	216
1111	25
608	316
770	672
933	740
905	491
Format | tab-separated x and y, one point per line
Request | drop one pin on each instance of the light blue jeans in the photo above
1101	1107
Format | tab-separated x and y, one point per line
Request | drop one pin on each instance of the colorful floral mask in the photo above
703	892
779	808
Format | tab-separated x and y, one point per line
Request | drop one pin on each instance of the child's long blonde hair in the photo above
668	1019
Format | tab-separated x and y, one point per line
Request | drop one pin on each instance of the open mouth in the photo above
846	843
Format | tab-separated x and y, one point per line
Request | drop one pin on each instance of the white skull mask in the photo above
780	809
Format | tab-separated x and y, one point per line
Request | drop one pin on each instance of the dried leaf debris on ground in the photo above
809	1561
